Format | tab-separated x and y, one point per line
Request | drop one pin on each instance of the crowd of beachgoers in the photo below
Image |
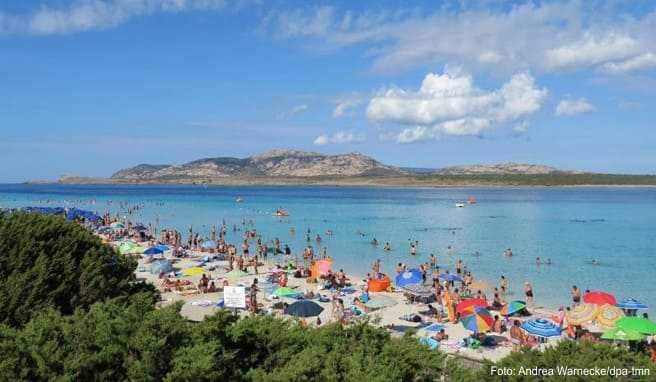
449	309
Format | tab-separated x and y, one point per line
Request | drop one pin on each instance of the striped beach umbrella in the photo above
541	327
608	315
581	314
599	298
468	304
478	320
512	307
631	303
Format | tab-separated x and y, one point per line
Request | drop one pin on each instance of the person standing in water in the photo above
433	261
528	291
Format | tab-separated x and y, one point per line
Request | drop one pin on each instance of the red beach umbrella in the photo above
599	298
466	306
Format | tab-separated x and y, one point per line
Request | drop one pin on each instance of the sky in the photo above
91	86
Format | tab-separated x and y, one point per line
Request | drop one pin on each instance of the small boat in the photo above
460	205
471	200
239	199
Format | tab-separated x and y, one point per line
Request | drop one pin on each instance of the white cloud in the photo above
343	105
450	104
544	36
84	15
298	109
340	137
644	61
572	107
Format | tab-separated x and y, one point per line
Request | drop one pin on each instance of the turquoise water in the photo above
571	226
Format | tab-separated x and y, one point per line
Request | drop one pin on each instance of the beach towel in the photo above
432	343
434	327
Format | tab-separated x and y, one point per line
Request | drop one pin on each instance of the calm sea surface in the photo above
570	226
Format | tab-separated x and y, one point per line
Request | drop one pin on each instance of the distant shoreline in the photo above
430	181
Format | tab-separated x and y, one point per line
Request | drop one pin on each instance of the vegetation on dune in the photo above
47	262
71	311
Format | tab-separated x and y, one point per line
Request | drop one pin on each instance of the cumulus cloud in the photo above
555	35
450	104
83	15
572	107
339	137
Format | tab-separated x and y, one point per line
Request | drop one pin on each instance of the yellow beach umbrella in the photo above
193	271
608	315
581	314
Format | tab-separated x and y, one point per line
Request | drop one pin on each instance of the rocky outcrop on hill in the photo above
499	169
274	163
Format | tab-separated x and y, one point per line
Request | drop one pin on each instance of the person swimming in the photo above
387	247
374	242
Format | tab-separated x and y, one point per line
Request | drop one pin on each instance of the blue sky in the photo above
91	86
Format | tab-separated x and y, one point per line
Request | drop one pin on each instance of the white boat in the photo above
460	205
239	199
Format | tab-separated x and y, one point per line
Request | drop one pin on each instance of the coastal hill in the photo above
272	163
294	167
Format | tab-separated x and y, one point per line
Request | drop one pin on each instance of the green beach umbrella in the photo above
638	324
285	292
619	334
117	225
127	247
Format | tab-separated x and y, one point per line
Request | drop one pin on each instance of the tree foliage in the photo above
47	262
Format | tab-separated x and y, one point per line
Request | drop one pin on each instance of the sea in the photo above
570	226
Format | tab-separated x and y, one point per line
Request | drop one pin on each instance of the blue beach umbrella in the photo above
412	276
162	247
153	251
304	308
631	303
541	327
450	277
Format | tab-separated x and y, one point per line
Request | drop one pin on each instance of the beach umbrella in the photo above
412	276
618	334
138	250
608	315
139	227
418	290
126	248
193	271
638	324
163	247
285	292
153	251
631	303
541	327
304	308
117	225
468	304
380	301
209	244
478	320
599	298
512	307
450	277
582	313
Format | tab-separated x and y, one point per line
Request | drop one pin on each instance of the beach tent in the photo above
412	276
541	327
304	308
160	266
321	267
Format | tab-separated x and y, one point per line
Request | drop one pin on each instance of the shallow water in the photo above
571	226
